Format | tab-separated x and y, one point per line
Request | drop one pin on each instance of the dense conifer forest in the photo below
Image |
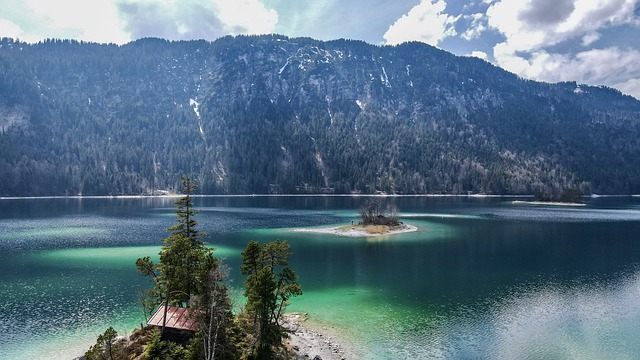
271	114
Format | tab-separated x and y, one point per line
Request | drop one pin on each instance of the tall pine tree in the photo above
268	287
181	257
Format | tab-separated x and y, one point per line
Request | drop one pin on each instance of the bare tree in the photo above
376	212
212	311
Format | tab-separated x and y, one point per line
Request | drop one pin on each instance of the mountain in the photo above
271	114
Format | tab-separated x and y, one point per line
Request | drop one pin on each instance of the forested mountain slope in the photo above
271	114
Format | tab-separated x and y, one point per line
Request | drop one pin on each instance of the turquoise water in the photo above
482	278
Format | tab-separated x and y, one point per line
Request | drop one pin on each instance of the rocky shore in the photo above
306	342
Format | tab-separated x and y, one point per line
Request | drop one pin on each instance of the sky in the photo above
595	42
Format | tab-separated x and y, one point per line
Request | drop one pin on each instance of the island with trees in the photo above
377	218
568	197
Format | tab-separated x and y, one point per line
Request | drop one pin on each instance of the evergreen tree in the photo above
103	348
158	349
187	223
189	275
181	257
268	287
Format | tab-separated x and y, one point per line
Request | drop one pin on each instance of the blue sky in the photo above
596	42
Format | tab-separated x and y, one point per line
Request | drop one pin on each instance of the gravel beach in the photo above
308	343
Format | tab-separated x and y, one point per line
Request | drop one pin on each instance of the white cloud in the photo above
476	26
590	38
83	20
10	29
426	22
121	21
195	19
506	58
531	27
531	24
631	87
479	54
591	67
246	16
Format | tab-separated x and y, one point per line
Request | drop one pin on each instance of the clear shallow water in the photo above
483	278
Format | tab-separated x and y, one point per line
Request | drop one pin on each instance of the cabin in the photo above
179	328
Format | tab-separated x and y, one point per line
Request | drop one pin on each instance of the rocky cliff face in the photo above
270	114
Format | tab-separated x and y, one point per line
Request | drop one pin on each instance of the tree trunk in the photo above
164	317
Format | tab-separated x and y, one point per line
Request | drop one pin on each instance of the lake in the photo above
483	278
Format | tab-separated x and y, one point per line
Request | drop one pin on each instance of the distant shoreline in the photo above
361	231
172	195
291	195
552	203
261	195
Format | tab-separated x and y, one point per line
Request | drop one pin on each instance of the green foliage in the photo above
189	275
104	348
158	349
182	255
146	267
187	223
571	196
567	196
268	287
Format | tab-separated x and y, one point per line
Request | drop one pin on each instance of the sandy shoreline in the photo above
357	231
309	344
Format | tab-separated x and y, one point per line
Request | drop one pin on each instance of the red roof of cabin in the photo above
177	318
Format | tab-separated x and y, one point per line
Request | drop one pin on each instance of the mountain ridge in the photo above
272	114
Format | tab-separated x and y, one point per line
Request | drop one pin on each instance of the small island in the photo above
376	219
569	197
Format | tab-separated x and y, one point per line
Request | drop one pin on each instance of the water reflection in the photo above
571	321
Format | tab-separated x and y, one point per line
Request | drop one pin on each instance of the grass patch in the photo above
369	229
